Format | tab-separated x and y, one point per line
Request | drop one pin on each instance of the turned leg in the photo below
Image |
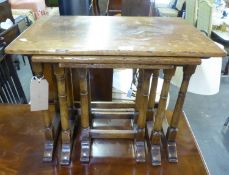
157	127
48	129
84	105
139	86
173	128
64	116
138	93
141	105
152	96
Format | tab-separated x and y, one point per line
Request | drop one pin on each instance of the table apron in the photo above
119	60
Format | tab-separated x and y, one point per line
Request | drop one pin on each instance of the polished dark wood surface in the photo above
98	35
22	138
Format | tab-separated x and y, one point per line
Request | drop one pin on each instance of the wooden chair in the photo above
124	7
10	87
5	11
175	10
191	11
135	8
204	16
114	7
199	14
37	6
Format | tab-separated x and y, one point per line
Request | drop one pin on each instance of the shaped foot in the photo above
172	152
65	154
48	151
156	155
85	152
140	151
85	146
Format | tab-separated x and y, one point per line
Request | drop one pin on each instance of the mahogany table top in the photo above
22	139
122	36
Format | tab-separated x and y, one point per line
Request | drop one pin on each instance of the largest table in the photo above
149	44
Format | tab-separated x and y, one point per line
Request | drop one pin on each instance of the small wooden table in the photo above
150	44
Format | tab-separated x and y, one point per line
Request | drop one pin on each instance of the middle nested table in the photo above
147	43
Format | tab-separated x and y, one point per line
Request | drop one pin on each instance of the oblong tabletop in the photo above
97	35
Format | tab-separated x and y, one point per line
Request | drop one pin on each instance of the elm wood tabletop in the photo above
22	139
102	41
98	35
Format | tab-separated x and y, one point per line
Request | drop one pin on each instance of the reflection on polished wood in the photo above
21	140
135	36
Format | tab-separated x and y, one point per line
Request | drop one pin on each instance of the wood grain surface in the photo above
22	138
99	35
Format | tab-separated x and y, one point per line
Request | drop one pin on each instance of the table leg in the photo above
157	127
85	128
138	93
173	128
64	116
142	103
49	129
139	86
152	96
